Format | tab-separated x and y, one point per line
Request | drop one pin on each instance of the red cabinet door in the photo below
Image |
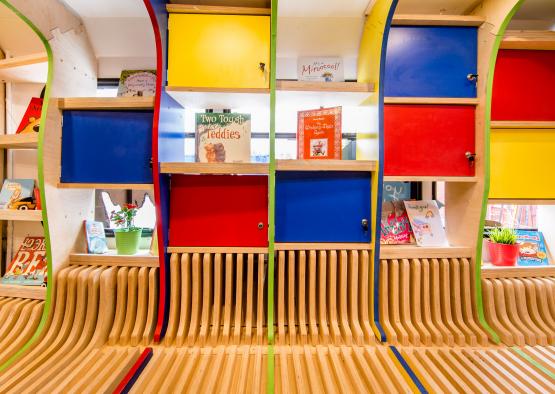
523	86
219	210
428	140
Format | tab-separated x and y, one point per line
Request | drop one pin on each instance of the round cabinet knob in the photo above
364	224
260	226
472	77
262	66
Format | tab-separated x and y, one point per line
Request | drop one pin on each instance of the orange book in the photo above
319	134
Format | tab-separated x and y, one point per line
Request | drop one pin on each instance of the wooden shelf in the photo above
336	87
213	168
107	186
416	178
414	251
28	68
215	249
19	291
113	259
492	271
19	141
220	10
219	98
326	165
511	124
34	215
431	100
106	103
529	39
322	246
437	20
521	201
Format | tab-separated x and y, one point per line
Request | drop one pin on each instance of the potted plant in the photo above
502	246
127	235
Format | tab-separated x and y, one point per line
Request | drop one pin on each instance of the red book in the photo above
31	120
28	266
319	134
36	196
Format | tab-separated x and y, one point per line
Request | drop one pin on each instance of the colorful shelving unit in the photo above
270	276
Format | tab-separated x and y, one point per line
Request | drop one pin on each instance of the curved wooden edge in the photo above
163	307
499	20
44	111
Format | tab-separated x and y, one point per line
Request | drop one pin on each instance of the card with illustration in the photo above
426	223
532	248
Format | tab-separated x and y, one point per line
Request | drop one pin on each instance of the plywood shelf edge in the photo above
195	89
516	124
19	141
414	251
29	215
431	100
322	246
106	103
19	291
529	40
106	186
219	10
417	178
300	86
216	249
437	20
490	271
24	60
213	168
111	259
326	165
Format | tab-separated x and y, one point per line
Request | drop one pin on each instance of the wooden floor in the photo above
216	339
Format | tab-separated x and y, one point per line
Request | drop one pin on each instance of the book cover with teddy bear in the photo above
223	138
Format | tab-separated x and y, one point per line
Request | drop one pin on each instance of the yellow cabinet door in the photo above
219	51
522	164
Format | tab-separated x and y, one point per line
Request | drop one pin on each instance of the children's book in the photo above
396	191
319	134
136	83
426	223
14	190
223	138
96	238
31	120
395	224
323	69
28	266
532	248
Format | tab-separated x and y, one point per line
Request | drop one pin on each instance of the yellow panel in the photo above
218	51
522	163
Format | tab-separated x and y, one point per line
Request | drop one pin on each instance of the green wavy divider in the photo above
48	301
272	198
478	264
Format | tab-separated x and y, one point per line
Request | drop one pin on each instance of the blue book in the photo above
96	238
532	248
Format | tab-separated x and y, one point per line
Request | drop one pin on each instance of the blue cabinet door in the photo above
322	206
106	147
424	61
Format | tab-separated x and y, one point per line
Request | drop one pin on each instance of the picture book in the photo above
319	134
15	190
395	191
30	122
426	223
395	224
136	83
28	267
223	138
532	248
322	69
96	238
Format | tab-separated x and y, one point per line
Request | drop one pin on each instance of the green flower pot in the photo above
127	242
